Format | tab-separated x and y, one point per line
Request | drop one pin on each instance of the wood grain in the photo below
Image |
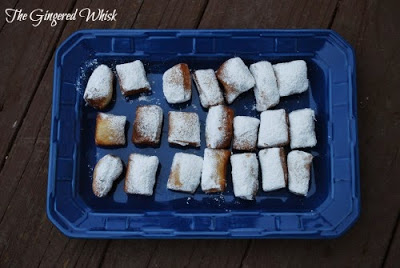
26	52
27	238
392	256
24	225
370	26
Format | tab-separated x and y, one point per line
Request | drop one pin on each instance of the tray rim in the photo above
355	177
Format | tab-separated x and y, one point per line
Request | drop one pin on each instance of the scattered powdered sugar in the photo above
111	128
245	175
214	170
100	83
291	77
299	164
107	170
266	89
237	76
87	65
245	131
174	88
273	129
184	128
273	167
141	174
132	76
148	122
207	85
216	126
185	172
146	98
302	133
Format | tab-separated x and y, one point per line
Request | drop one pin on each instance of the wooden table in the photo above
27	238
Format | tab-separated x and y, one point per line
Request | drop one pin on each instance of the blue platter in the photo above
333	202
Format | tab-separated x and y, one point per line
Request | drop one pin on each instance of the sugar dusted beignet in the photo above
213	176
235	77
266	89
273	169
132	78
184	128
208	88
219	127
302	128
141	174
147	125
299	166
273	129
245	175
110	130
245	131
107	170
177	85
185	172
99	89
291	77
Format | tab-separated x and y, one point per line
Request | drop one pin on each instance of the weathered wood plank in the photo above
267	14
26	51
393	257
371	27
23	180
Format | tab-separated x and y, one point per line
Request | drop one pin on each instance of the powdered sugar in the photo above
132	77
110	129
245	131
100	83
273	168
184	128
213	177
273	129
219	127
266	89
236	78
147	125
177	84
207	85
141	174
299	164
291	77
185	172
107	170
302	133
245	175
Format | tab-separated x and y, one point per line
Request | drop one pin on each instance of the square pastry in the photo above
177	85
219	127
273	168
266	89
213	176
184	128
132	78
141	174
208	88
107	170
274	130
299	169
291	77
302	128
245	131
235	77
245	175
110	130
185	172
99	89
147	125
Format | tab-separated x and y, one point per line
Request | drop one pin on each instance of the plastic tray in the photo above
333	203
